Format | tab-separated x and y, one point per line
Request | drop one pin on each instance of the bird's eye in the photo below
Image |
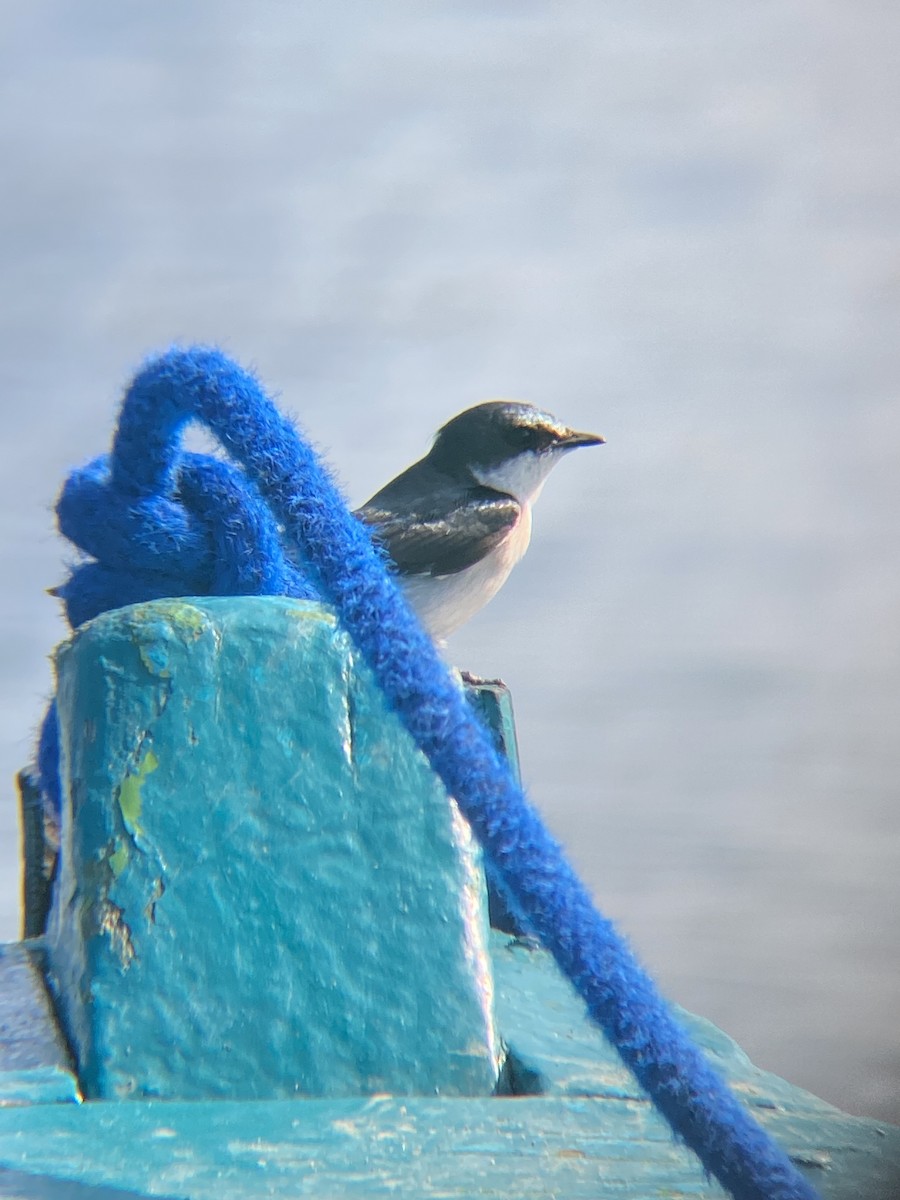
531	437
526	437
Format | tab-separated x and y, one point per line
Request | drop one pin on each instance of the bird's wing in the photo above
448	537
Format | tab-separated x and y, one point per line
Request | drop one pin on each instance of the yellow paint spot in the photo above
309	610
184	617
130	800
151	664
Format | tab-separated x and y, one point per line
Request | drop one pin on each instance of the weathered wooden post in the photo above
263	890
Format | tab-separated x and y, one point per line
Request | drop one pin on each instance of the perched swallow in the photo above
456	522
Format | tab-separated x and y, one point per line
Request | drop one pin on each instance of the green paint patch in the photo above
130	799
119	858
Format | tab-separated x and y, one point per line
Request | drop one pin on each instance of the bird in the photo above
455	523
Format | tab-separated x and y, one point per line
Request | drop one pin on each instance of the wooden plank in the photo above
592	1132
528	1149
557	1050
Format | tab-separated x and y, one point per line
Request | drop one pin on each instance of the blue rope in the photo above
159	521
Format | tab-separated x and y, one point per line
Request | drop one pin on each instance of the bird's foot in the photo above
471	680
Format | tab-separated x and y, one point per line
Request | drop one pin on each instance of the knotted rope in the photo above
161	522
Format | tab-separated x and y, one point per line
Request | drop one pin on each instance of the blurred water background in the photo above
677	225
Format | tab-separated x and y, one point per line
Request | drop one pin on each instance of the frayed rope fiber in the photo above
160	522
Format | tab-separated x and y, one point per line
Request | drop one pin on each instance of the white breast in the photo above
444	602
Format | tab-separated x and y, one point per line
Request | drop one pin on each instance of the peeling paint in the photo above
159	888
112	923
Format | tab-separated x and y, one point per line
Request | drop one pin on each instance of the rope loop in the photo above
209	534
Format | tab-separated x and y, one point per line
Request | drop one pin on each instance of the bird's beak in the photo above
573	439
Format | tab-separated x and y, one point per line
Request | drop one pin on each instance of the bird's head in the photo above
506	445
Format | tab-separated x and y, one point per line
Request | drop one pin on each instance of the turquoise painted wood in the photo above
261	878
263	890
